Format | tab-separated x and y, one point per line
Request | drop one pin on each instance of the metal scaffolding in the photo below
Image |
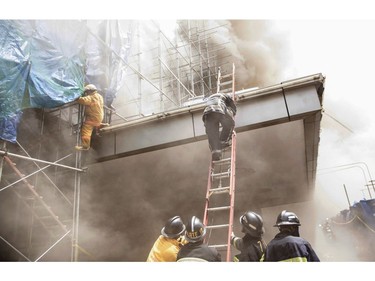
172	65
45	216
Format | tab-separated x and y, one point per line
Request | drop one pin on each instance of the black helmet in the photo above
173	228
252	223
195	230
287	218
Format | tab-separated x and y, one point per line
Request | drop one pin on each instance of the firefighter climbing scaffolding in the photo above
221	189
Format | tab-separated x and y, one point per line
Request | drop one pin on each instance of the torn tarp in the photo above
43	64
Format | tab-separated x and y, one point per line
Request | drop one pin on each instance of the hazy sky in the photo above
343	51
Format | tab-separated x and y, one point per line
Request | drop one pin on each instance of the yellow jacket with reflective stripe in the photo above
164	250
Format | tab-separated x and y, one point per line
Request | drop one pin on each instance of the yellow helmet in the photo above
90	87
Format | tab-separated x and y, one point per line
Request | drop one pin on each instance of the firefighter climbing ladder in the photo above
221	190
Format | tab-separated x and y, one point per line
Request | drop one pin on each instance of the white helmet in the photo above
90	87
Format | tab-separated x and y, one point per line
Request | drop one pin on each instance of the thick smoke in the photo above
260	53
125	202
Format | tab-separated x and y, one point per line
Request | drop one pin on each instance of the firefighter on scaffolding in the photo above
93	115
219	111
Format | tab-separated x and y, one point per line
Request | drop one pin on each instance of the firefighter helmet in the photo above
252	223
287	218
173	228
195	230
90	88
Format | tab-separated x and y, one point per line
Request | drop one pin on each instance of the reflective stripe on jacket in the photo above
285	247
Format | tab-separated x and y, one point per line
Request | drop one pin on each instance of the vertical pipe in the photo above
346	192
160	71
77	191
178	69
200	62
208	67
191	58
139	70
232	193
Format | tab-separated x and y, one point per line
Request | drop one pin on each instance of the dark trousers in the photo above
212	122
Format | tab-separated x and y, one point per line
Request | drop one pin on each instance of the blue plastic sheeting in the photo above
45	64
8	126
366	210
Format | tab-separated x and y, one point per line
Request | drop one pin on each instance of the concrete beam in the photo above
291	100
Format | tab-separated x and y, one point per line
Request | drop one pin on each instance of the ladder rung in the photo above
46	217
226	76
221	175
218	208
218	246
222	161
220	189
226	90
226	83
217	226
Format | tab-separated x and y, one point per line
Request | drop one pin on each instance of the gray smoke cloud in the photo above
125	202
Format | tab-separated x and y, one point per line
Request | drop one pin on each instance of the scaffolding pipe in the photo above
76	201
54	244
37	196
49	179
182	56
347	196
179	81
6	153
37	171
353	165
14	248
127	64
77	194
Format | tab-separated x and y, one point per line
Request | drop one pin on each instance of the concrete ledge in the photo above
291	100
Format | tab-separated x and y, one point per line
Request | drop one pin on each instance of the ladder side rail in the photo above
231	192
209	186
33	212
233	173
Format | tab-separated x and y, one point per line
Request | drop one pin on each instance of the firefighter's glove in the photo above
232	237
